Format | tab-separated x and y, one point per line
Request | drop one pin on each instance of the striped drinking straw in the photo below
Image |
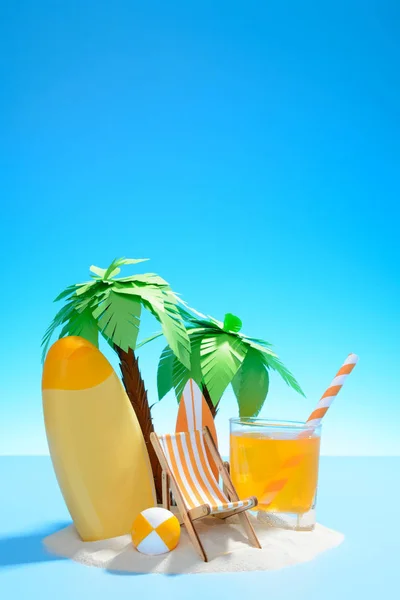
274	487
328	397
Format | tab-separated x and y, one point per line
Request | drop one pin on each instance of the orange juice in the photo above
256	459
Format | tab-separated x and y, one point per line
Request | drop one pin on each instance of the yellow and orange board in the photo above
194	414
95	441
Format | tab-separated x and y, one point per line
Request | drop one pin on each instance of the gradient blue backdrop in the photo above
251	151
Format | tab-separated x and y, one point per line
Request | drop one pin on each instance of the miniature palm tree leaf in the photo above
146	278
97	271
118	262
259	347
166	312
220	358
82	324
215	322
114	268
149	339
232	323
61	317
118	318
256	341
164	372
162	304
65	293
152	296
272	362
173	374
180	377
190	313
86	287
250	384
175	333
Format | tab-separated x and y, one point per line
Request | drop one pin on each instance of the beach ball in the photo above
155	531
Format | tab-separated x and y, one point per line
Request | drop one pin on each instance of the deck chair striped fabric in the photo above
187	458
188	472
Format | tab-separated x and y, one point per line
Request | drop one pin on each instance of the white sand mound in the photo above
224	541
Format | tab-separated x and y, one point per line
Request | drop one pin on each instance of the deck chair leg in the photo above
194	536
166	498
249	529
188	522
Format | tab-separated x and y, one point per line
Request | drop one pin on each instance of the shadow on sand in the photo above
28	548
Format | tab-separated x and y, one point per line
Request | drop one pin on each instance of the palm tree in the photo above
222	355
112	307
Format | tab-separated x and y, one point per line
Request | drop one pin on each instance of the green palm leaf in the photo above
175	332
273	362
250	384
152	337
220	358
114	269
180	377
97	271
163	305
71	289
63	315
258	347
82	324
145	279
118	318
173	374
164	372
256	340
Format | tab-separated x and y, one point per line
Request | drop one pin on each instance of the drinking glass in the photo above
277	461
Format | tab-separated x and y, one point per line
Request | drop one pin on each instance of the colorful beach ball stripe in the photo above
155	531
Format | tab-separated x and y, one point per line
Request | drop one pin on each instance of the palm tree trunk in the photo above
206	394
137	394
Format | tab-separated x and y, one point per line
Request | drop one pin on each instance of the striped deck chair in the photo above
188	473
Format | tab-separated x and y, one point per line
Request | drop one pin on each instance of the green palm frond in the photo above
62	316
114	268
256	341
118	318
69	291
258	347
150	338
220	358
115	307
273	362
250	384
164	372
172	373
99	272
82	324
145	279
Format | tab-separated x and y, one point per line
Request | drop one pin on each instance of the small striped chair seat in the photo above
189	463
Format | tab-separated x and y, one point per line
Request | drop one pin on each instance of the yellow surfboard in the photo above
96	444
193	413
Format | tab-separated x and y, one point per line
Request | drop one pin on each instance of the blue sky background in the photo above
251	151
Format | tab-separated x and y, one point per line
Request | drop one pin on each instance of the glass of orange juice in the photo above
277	461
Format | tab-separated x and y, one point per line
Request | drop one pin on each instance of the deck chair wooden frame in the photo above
188	516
